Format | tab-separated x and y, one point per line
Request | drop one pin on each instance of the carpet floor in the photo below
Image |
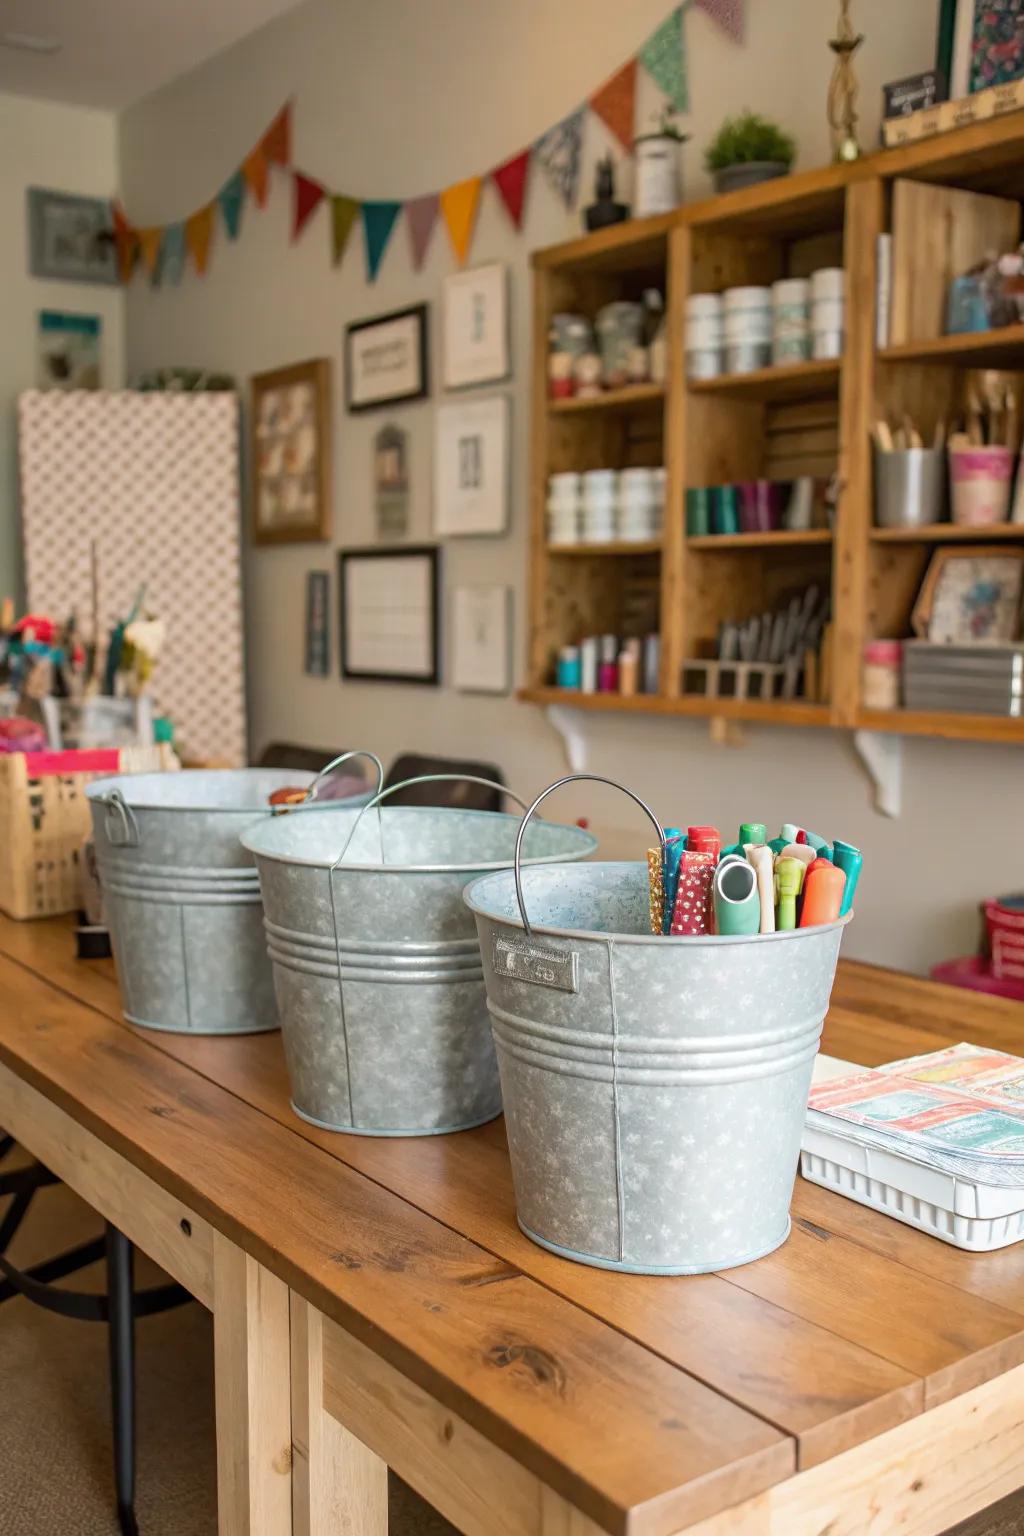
57	1477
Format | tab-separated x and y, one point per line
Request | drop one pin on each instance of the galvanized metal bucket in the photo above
376	962
655	1088
182	895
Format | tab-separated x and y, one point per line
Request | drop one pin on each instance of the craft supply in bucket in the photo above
376	961
182	895
654	1087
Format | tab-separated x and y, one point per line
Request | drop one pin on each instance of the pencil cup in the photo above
909	487
981	483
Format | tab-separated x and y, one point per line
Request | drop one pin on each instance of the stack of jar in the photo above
828	313
748	329
744	329
602	505
704	336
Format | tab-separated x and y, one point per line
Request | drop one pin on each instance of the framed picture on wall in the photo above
71	238
481	639
476	347
291	453
386	359
318	623
471	467
389	602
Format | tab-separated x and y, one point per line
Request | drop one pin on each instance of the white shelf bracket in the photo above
569	725
882	755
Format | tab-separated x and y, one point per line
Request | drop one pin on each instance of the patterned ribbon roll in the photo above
656	883
694	912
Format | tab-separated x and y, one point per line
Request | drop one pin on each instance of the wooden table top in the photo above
649	1402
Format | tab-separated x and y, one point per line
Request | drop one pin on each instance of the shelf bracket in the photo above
882	755
569	725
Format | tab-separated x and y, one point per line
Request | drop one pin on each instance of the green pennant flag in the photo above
664	58
230	199
378	222
344	212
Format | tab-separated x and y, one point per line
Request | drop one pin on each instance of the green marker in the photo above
753	832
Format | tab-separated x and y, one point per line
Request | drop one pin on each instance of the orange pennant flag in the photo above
254	169
150	241
198	230
615	102
277	141
458	207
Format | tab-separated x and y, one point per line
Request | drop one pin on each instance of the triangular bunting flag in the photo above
198	230
308	195
172	254
615	102
421	216
126	243
378	222
254	170
150	241
664	58
510	180
230	199
277	141
344	212
558	151
458	207
727	13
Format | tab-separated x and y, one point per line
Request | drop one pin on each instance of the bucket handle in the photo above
310	796
119	823
573	778
425	778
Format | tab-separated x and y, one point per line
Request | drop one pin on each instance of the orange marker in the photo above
823	893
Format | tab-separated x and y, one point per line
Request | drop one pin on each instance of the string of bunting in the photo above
160	251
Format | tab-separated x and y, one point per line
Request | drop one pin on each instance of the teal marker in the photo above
675	846
734	850
776	844
849	859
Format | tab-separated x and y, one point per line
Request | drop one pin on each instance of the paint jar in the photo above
791	329
747	356
880	674
828	304
657	173
567	670
705	336
980	484
569	337
620	336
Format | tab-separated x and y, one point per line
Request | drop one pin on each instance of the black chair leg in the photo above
120	1298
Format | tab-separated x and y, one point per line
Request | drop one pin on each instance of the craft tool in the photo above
675	846
736	900
789	878
823	894
753	832
802	852
656	889
849	860
760	858
694	911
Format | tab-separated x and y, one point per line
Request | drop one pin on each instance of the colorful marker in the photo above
737	903
675	847
823	894
849	859
789	877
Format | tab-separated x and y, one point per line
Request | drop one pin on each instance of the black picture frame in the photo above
318	624
71	237
347	557
420	389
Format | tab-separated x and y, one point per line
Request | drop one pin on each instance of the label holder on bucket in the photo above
529	962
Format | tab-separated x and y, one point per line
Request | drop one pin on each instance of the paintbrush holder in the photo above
980	479
910	487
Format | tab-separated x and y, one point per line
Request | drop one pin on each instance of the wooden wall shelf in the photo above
806	419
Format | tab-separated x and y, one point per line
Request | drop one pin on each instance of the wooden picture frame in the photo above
373	647
999	565
290	433
386	360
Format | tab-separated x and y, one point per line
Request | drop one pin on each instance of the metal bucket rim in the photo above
690	940
250	842
128	785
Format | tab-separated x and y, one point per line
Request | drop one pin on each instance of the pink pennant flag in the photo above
421	216
727	13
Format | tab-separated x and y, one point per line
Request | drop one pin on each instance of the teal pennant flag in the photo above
172	254
230	199
664	58
378	222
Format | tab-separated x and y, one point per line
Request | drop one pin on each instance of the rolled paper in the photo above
802	851
789	831
656	891
694	910
776	844
737	903
760	858
675	846
703	840
823	894
789	877
753	832
849	859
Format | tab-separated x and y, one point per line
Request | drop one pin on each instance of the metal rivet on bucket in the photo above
182	895
654	1087
376	962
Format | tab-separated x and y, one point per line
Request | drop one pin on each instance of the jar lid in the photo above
887	653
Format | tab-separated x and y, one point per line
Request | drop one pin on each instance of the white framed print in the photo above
471	467
481	639
475	336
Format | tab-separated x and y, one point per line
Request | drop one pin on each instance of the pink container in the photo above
980	480
1005	920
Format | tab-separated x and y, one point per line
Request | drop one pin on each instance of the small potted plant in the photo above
748	149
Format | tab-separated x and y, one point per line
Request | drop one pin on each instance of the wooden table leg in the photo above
251	1365
339	1486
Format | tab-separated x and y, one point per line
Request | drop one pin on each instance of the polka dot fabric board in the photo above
153	479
